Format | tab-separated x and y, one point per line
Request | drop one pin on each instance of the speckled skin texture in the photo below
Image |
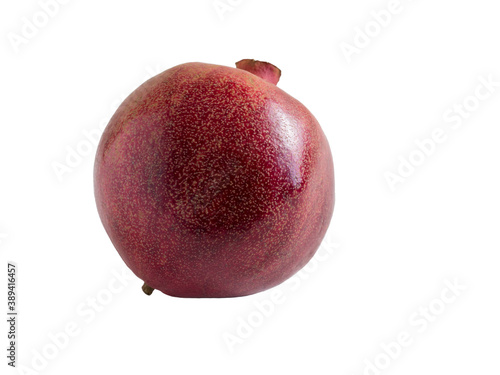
212	182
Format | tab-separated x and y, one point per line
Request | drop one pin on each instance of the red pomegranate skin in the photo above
212	182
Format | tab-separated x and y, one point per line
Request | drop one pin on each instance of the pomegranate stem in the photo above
262	69
147	289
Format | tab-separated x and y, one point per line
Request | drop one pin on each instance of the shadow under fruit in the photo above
212	182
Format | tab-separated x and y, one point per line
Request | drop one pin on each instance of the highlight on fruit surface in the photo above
213	182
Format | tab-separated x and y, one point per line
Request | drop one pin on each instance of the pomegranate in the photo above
212	182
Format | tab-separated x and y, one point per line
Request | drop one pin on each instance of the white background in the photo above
388	252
